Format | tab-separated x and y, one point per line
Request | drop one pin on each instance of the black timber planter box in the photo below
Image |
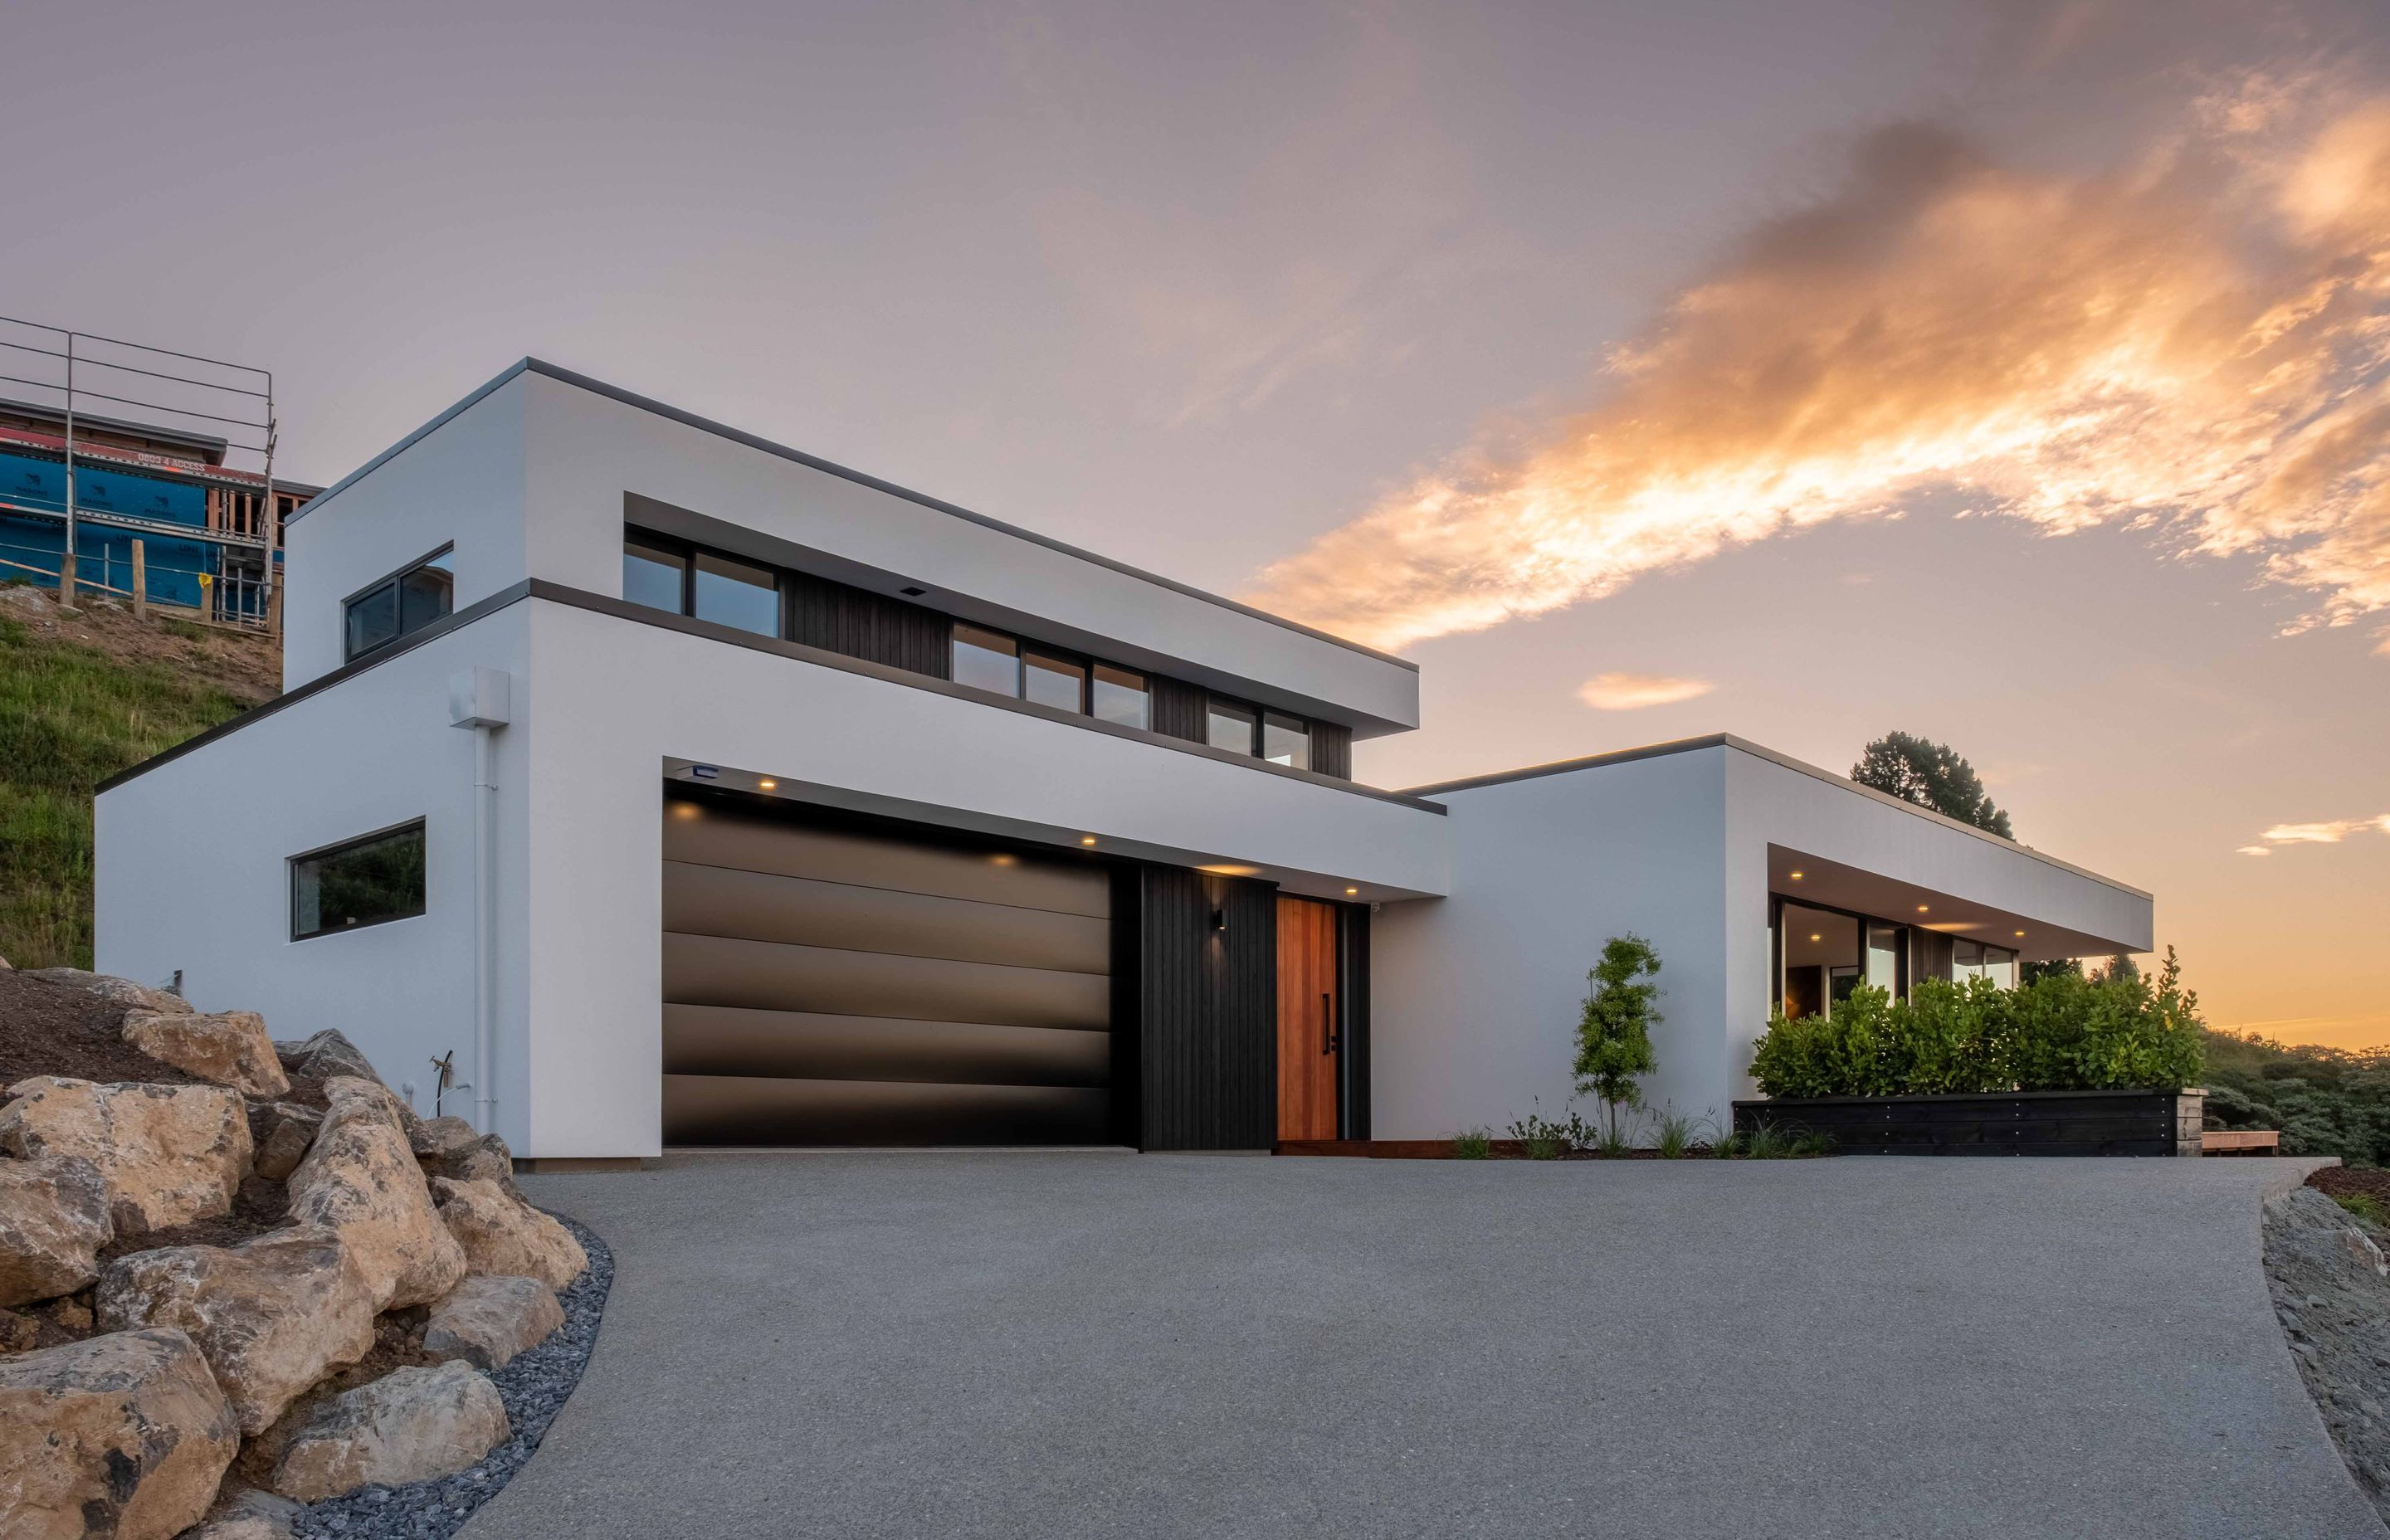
1999	1122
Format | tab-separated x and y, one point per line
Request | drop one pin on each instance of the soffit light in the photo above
1814	936
1350	891
1796	877
2020	935
768	784
1924	908
1087	838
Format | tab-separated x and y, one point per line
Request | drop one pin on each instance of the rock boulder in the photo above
411	1425
282	1130
123	1435
486	1320
272	1315
360	1178
450	1147
53	1220
250	1514
227	1048
121	992
325	1055
501	1233
169	1154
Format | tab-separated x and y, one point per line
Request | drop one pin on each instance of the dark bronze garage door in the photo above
826	985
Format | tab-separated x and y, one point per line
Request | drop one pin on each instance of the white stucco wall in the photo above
462	482
192	866
1473	997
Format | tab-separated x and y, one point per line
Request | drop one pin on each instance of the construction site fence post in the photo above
140	584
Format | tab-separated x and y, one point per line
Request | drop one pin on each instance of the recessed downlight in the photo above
1796	877
1924	908
1350	891
1815	936
1087	838
2020	935
768	784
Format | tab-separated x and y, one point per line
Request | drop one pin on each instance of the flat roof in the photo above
1729	740
206	442
751	441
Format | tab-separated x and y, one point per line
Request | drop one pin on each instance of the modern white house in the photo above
680	788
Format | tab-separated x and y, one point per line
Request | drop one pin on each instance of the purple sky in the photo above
1201	285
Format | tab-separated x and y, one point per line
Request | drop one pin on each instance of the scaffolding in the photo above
75	372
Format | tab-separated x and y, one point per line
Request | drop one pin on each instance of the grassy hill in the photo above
82	697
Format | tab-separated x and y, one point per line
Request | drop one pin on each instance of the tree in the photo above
1931	775
1614	1028
2049	969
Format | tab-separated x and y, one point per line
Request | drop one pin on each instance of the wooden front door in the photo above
1309	1053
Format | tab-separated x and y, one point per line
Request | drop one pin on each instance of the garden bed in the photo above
2002	1123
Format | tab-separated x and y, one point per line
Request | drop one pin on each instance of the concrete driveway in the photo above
1120	1345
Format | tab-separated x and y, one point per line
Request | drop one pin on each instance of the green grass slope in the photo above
71	714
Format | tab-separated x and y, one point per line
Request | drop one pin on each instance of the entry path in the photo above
1117	1345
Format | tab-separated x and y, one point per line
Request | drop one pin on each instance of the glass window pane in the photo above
1228	726
1056	682
372	620
651	576
364	884
736	593
1999	965
1966	960
986	659
1286	740
1120	697
427	594
1883	958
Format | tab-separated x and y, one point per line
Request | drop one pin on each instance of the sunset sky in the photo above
2017	375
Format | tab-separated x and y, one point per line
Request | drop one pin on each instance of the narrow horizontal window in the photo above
366	881
1286	740
1056	681
736	593
986	661
654	575
1228	726
398	603
1119	698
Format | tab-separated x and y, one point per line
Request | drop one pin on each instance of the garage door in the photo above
824	985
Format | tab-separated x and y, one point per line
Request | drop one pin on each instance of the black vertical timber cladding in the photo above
859	623
1354	1032
1208	1049
1331	749
1128	947
1178	707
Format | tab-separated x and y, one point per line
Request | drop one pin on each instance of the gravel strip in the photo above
534	1387
2332	1297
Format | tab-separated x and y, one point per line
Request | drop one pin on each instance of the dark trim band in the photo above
640	614
781	451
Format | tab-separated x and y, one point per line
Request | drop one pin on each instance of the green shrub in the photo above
2062	1032
2365	1208
1471	1144
1673	1136
1549	1139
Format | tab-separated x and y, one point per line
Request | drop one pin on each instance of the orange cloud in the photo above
2331	833
2195	347
1626	692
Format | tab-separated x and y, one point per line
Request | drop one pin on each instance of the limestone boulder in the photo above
19	1332
272	1315
500	1233
115	991
411	1425
360	1178
281	1131
324	1057
169	1154
224	1048
450	1147
124	1435
249	1514
486	1320
54	1219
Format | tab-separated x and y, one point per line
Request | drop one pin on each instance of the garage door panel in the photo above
714	900
745	1110
718	970
1019	878
715	1040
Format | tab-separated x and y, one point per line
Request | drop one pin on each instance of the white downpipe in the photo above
477	698
485	930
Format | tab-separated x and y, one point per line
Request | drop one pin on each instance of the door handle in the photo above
1327	1022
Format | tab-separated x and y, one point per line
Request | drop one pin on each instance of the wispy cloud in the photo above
1626	692
2255	850
2328	833
2194	344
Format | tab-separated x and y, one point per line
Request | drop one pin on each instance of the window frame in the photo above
391	581
1301	725
687	552
292	864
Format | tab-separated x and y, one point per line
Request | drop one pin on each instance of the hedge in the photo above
2062	1032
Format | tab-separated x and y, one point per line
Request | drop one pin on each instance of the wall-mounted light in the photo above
1219	918
768	784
